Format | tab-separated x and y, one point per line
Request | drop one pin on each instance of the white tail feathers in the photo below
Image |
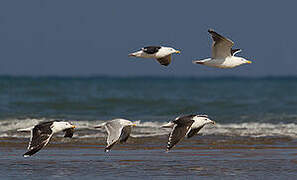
168	125
26	129
100	125
198	62
131	55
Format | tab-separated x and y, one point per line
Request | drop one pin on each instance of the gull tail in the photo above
168	125
198	62
100	125
131	55
136	54
25	129
201	61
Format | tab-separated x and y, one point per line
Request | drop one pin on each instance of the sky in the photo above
88	37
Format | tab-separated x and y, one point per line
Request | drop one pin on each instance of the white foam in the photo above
14	124
253	129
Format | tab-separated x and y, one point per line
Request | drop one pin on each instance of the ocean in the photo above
255	135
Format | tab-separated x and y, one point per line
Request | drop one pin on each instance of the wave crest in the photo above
9	127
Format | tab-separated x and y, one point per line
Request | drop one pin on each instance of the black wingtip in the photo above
211	30
32	151
106	150
28	154
168	147
234	51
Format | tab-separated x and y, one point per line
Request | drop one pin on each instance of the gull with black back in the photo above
42	133
188	125
160	53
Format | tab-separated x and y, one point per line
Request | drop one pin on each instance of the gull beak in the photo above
177	52
73	126
249	62
133	125
213	122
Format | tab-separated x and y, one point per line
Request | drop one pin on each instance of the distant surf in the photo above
241	107
9	127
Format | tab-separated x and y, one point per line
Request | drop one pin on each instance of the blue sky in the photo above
84	37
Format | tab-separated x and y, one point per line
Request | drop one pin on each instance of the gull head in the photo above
133	124
62	125
125	122
172	50
68	125
203	120
237	61
244	61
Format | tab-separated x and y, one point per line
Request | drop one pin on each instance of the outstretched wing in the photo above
114	130
221	46
69	133
193	132
179	131
165	61
126	131
40	136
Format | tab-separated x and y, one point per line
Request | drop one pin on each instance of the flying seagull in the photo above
160	53
222	54
42	133
188	126
118	131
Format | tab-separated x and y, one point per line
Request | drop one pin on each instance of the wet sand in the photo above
207	158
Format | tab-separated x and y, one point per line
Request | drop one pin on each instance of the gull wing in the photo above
114	130
221	46
193	132
40	136
126	131
179	131
69	132
165	61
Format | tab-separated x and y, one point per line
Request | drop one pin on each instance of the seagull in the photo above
160	53
222	55
118	131
42	133
188	126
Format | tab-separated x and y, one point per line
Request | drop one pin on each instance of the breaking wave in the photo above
9	127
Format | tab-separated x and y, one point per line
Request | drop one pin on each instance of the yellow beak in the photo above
177	52
73	126
249	62
133	124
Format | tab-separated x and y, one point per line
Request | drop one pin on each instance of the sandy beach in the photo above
223	158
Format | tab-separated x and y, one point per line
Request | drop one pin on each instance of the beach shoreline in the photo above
73	161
